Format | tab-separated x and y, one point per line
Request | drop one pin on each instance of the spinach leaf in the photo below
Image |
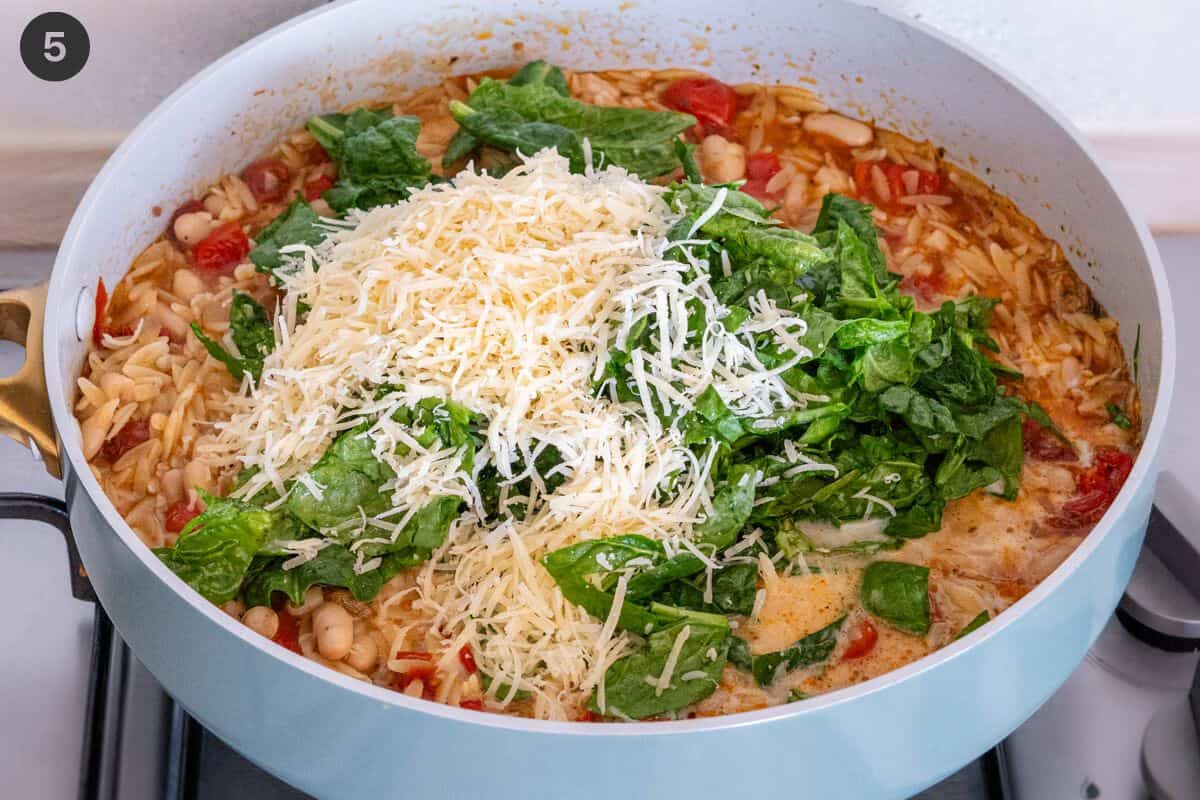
252	335
571	567
628	692
214	550
528	117
1118	416
376	153
898	593
733	590
332	566
768	667
297	225
462	144
732	503
349	477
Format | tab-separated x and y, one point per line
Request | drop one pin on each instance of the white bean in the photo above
186	284
363	654
334	629
262	620
192	227
849	132
313	598
722	160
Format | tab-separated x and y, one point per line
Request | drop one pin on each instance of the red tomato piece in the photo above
711	102
862	177
1095	490
760	169
1041	443
474	705
288	633
179	514
862	640
101	306
588	716
267	179
132	433
928	182
222	250
467	659
315	187
895	179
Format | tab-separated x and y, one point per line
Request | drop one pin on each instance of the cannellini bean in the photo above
262	620
234	608
849	132
334	628
191	228
722	160
186	284
313	598
363	654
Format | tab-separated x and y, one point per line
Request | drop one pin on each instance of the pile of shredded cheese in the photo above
506	295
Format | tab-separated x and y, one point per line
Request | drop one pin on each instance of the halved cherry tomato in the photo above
190	207
862	640
132	433
862	178
588	716
179	514
1095	490
288	633
267	179
467	659
895	179
222	250
760	168
711	102
315	187
101	306
474	705
1041	443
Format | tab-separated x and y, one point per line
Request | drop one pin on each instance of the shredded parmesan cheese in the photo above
507	295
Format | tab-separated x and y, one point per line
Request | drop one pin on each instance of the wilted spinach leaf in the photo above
252	335
297	225
628	692
898	593
214	550
530	116
767	667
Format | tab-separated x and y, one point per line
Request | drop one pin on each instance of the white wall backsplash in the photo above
1106	63
1125	72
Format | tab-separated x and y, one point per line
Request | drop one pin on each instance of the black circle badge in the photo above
55	46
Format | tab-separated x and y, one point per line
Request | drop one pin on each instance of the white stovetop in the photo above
46	633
